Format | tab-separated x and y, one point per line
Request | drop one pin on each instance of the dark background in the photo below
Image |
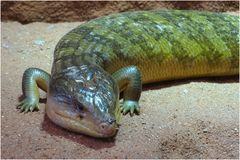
27	12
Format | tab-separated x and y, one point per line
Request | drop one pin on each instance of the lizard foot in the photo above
130	106
28	104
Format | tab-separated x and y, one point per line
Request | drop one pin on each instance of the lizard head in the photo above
84	99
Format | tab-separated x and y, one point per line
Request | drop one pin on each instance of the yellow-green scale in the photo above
163	44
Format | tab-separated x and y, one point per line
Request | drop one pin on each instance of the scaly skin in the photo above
97	60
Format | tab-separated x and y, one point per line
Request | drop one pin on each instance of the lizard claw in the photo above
130	106
28	104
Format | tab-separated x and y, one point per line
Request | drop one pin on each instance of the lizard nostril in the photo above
103	126
106	124
108	127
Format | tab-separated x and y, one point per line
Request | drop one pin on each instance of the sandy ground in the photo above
179	119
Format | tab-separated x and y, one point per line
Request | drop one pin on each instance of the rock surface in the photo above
26	12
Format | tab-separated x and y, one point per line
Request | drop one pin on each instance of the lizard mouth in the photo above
83	126
75	123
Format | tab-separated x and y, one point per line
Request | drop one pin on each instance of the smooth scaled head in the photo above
84	99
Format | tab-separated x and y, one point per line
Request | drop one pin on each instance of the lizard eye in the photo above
80	108
78	105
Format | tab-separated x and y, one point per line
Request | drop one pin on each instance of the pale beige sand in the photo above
180	119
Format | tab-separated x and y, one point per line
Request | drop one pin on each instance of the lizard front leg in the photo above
32	79
129	81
